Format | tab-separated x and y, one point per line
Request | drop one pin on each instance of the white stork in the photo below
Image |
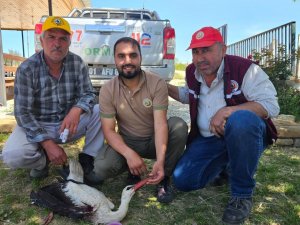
76	200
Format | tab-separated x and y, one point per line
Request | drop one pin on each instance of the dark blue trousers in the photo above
239	150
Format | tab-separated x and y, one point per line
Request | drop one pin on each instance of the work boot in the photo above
165	193
39	174
87	163
42	173
237	210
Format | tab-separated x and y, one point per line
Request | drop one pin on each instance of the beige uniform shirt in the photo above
134	110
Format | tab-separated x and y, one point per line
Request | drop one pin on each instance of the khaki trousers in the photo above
110	163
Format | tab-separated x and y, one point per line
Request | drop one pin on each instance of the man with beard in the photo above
53	95
231	102
137	102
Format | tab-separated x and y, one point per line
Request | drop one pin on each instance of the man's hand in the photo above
135	163
218	121
55	153
157	174
71	121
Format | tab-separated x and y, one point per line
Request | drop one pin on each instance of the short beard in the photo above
129	75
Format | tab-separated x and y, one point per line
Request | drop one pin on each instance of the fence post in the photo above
293	47
2	79
298	60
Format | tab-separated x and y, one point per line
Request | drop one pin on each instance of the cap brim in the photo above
201	45
57	28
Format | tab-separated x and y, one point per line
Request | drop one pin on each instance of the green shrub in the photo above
289	100
278	69
180	66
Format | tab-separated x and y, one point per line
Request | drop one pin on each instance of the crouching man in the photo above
231	102
136	102
53	93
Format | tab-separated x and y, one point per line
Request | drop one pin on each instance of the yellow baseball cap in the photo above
56	22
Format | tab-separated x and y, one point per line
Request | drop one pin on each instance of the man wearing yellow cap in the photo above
54	104
231	102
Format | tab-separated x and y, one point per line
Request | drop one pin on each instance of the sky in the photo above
244	18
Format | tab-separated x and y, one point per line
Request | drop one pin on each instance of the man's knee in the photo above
104	170
13	158
179	181
108	163
183	185
243	121
178	127
183	182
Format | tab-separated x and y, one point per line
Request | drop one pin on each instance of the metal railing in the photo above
223	31
283	37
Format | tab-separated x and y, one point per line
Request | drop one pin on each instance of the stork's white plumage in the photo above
78	200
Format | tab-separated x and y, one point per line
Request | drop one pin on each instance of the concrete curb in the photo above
7	123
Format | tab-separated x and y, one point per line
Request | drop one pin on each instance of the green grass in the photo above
276	199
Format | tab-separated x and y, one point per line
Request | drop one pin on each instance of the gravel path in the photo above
8	109
178	109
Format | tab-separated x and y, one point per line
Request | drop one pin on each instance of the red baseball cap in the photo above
205	37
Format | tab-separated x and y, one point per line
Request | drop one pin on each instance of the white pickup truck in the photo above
95	31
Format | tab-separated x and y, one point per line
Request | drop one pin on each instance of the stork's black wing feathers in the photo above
56	190
52	197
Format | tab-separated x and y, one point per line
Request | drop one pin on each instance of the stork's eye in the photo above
129	187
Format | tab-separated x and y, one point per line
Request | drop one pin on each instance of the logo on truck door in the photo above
144	39
104	50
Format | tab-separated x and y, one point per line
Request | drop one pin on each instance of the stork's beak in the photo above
140	184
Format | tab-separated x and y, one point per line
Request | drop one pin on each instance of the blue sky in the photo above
244	18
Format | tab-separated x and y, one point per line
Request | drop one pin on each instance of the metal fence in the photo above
223	31
283	37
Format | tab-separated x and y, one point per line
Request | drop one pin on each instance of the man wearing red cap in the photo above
231	102
53	95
